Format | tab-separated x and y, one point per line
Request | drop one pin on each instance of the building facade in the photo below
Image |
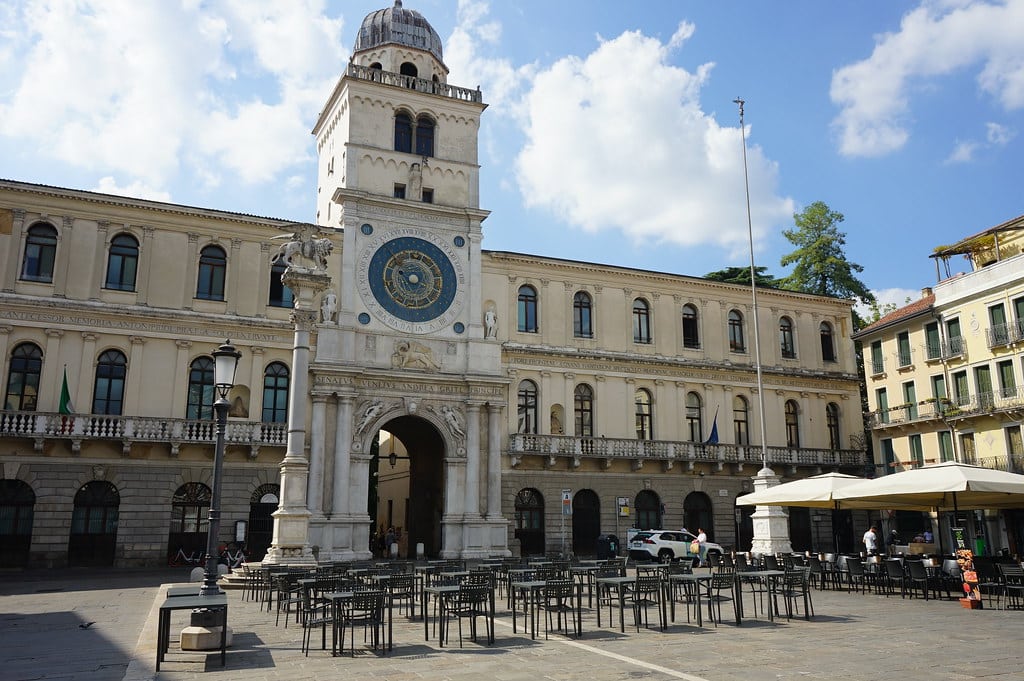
944	372
519	388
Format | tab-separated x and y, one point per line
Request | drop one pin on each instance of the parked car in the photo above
668	545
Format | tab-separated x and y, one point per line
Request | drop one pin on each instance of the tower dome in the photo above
401	26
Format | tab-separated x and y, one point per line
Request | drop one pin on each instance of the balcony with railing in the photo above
1002	335
571	451
877	367
953	347
414	83
1006	400
128	430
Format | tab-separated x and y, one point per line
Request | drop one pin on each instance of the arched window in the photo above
275	393
17	506
644	415
583	404
108	388
792	424
786	343
425	136
23	377
828	347
641	321
741	420
648	510
93	534
408	69
280	295
403	132
190	521
832	420
736	341
527	407
691	329
697	514
40	253
122	263
200	389
213	265
527	309
582	325
694	420
529	530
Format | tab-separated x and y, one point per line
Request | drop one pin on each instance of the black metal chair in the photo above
558	602
816	572
721	589
1013	584
855	575
365	608
402	590
472	601
646	592
796	586
918	578
315	613
893	576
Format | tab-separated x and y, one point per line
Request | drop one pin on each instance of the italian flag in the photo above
65	406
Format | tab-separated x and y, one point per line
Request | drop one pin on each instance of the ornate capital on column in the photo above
304	320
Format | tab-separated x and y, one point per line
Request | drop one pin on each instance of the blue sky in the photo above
611	134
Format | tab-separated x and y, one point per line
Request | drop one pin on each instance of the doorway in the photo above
260	529
586	522
93	536
17	504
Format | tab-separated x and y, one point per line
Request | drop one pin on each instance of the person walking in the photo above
702	538
871	541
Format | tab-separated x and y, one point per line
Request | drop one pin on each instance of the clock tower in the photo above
409	351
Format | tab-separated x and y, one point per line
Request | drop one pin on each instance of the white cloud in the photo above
963	152
138	190
608	150
936	39
999	135
889	296
146	90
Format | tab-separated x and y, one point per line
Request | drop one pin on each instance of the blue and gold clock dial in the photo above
412	279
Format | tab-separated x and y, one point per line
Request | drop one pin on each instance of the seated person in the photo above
919	539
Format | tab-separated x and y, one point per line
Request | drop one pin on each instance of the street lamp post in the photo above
225	360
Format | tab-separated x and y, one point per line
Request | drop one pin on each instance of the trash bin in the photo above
607	546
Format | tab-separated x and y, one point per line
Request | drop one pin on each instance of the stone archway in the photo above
425	502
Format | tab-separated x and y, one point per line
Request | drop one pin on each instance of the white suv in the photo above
668	545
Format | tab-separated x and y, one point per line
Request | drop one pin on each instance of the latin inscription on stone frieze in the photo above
693	375
408	386
127	324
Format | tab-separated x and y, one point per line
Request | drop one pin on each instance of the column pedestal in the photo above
771	524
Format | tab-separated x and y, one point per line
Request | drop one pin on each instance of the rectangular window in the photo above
428	195
939	394
888	455
1014	449
903	348
945	445
399	191
1018	314
998	332
961	391
1007	382
877	360
916	451
983	387
967	447
882	403
954	342
932	341
910	401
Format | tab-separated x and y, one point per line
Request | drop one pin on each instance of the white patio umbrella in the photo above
817	491
947	486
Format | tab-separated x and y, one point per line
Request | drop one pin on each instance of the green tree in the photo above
741	275
820	265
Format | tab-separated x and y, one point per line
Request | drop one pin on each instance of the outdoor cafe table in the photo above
770	579
700	580
337	599
217	603
584	574
440	594
530	591
619	585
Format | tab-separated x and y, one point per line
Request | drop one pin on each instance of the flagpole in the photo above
765	470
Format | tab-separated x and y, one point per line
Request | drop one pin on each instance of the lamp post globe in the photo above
225	360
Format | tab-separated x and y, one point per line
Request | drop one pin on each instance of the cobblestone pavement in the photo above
852	636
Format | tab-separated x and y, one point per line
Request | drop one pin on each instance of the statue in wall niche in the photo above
415	182
412	355
490	323
328	307
305	251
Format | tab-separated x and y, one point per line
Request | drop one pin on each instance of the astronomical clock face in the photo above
411	281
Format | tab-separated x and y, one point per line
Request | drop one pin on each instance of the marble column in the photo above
291	519
342	457
316	456
473	455
493	461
